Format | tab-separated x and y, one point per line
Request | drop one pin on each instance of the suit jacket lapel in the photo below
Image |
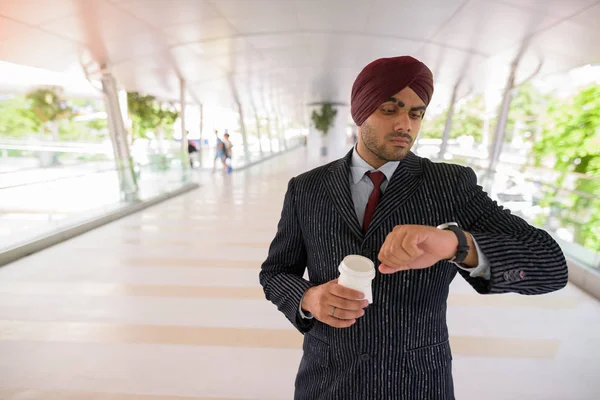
337	185
405	181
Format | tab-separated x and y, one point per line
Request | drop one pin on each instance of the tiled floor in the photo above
165	304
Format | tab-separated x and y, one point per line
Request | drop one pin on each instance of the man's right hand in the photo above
345	304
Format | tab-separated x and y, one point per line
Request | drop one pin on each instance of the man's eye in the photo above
388	110
415	116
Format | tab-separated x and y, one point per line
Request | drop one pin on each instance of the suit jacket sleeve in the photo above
523	259
282	273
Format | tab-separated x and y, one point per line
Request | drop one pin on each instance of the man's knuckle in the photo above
350	305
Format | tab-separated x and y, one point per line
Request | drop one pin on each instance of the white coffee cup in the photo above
357	272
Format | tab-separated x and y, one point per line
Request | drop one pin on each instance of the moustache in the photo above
397	135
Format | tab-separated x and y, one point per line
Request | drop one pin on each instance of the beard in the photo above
381	147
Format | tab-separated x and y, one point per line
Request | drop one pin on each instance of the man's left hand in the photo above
416	247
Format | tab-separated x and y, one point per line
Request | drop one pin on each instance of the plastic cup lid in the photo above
359	265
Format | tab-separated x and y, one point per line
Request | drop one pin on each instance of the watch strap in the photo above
463	245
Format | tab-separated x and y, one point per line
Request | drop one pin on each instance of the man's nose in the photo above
402	123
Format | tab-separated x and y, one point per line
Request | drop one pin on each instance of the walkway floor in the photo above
165	304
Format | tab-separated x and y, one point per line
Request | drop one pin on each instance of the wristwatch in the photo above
463	246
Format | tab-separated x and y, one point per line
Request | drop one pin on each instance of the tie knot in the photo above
376	177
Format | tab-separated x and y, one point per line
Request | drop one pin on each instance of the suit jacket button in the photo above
365	357
366	253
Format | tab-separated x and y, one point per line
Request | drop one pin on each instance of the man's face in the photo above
389	133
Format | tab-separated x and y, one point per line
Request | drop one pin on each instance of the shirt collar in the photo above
359	167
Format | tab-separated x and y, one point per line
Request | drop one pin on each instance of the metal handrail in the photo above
58	179
40	182
530	166
547	184
57	167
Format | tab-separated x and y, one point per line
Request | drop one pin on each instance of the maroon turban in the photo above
385	77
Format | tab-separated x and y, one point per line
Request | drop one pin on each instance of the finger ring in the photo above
333	311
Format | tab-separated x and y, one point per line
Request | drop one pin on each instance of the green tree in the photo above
148	114
47	106
142	112
88	131
526	113
16	120
468	118
97	125
433	125
166	117
571	138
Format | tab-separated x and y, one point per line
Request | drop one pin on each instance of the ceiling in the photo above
284	54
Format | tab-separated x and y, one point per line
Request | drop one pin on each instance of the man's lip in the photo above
400	141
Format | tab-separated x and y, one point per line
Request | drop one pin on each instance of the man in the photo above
191	150
384	202
219	152
227	146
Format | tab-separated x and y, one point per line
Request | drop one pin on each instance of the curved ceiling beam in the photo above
332	33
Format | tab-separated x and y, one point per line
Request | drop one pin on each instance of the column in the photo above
280	131
185	160
266	109
337	138
500	131
270	133
257	121
118	136
243	132
315	140
448	126
200	159
258	134
282	145
236	98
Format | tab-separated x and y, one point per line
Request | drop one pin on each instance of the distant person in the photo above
191	150
228	146
219	152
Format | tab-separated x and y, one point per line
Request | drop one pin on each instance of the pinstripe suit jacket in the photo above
399	349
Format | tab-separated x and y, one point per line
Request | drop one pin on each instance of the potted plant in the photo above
323	121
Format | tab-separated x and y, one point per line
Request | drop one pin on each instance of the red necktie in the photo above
377	178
